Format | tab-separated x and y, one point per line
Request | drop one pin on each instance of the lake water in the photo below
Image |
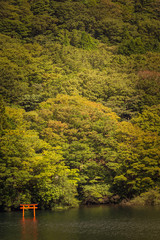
87	223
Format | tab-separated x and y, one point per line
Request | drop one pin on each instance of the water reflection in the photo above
29	228
90	223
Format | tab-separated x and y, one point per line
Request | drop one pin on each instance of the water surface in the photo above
87	223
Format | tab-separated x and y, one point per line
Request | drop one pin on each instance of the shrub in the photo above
96	194
151	198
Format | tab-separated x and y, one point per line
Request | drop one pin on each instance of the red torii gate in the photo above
29	206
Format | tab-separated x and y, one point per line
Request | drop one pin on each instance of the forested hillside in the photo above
79	102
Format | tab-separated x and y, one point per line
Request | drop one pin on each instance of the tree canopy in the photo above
79	101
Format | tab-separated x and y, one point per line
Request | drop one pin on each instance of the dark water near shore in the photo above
87	223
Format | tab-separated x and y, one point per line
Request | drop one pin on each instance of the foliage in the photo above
96	194
79	105
132	46
152	197
149	119
139	156
31	170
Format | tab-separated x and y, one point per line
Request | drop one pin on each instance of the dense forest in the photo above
79	102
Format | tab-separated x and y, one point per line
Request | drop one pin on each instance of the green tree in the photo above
87	42
31	169
138	153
